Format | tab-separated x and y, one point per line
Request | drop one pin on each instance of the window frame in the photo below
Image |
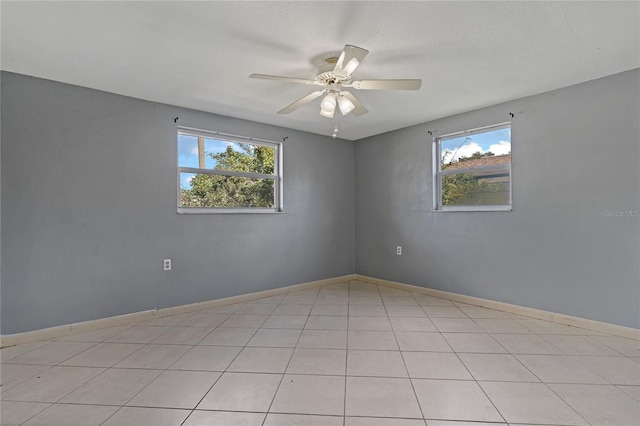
277	167
438	172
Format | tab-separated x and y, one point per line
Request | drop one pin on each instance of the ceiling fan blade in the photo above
393	84
280	78
297	104
349	60
359	108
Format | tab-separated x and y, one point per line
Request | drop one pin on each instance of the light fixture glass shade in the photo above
346	106
328	103
326	113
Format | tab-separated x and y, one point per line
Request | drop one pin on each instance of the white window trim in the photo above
277	178
438	173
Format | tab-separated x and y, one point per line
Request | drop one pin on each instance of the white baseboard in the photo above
63	330
617	330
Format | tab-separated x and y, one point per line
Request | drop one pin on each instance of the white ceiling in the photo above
199	54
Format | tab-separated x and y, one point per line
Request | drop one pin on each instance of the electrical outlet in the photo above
167	264
399	250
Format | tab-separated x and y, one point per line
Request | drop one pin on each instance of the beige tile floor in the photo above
351	354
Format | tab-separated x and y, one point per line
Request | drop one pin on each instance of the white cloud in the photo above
467	150
464	151
194	150
500	148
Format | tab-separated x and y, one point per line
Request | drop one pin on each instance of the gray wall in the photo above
575	155
89	210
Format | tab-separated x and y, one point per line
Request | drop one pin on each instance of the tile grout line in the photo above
566	403
404	362
290	357
533	333
3	389
475	380
346	356
227	367
58	365
162	372
221	373
51	404
169	367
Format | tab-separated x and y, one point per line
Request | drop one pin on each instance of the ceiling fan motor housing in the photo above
330	78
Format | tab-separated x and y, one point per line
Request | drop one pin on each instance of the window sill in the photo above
473	209
196	210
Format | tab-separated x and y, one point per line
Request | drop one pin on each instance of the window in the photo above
220	173
473	169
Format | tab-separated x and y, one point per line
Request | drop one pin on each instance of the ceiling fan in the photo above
334	76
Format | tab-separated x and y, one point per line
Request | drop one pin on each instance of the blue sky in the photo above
188	150
188	154
496	141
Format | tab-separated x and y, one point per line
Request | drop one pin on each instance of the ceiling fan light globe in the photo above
328	106
329	103
328	114
346	106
